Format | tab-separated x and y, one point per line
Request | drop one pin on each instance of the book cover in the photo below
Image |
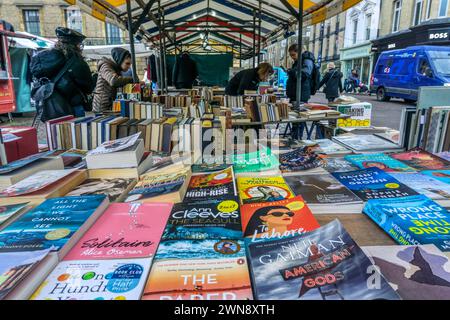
217	184
113	188
415	272
275	220
444	155
210	269
15	266
373	183
338	165
49	225
324	264
261	160
423	184
365	142
123	231
441	175
378	160
8	211
121	279
326	146
35	182
115	145
412	220
263	189
300	159
215	219
320	189
7	168
421	160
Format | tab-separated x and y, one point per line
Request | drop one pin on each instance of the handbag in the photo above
50	103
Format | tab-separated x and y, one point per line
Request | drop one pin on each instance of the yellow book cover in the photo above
263	189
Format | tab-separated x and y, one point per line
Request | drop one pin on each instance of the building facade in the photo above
360	28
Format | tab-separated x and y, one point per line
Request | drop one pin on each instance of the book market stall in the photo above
196	195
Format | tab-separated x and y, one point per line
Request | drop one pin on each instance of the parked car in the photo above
400	73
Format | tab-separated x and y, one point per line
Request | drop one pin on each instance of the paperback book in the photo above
124	231
373	183
441	175
22	162
366	143
421	160
115	189
121	279
412	220
334	164
209	269
263	189
9	211
300	159
211	185
324	264
260	160
115	145
378	160
276	220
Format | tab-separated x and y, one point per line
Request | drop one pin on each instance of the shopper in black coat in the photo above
306	78
333	82
248	80
77	82
184	72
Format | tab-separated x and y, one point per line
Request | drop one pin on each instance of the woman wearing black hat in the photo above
110	78
76	82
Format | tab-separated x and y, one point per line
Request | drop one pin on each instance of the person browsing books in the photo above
249	79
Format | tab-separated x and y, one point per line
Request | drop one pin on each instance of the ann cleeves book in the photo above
378	160
373	183
125	230
324	264
57	223
215	219
412	220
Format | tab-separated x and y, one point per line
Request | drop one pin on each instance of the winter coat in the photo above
243	80
109	79
333	83
307	70
75	84
184	72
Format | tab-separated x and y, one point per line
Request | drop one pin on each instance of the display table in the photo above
362	229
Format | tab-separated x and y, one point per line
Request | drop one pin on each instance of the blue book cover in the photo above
49	225
373	183
412	220
378	160
124	108
7	168
324	264
441	175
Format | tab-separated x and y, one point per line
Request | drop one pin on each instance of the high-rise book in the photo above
211	185
415	272
378	160
263	189
275	220
324	194
373	183
412	220
123	231
324	264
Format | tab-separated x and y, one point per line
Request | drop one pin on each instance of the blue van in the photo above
400	73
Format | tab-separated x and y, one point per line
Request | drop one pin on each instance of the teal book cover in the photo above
412	220
378	160
441	175
261	160
49	225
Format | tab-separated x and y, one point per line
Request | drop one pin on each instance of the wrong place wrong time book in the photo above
412	220
324	264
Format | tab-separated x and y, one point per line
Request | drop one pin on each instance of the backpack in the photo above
315	79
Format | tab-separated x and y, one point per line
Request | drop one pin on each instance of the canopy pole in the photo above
300	49
240	50
161	49
131	36
164	55
254	38
259	32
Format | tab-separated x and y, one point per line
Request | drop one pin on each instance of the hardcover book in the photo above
373	183
123	231
216	219
415	272
263	189
115	189
121	279
421	160
275	220
115	145
208	270
218	184
52	224
378	160
324	264
412	220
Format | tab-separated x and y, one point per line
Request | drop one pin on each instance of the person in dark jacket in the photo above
307	70
248	80
76	83
333	82
184	72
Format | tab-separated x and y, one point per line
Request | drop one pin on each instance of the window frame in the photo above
440	9
110	40
368	25
396	25
26	22
354	30
417	15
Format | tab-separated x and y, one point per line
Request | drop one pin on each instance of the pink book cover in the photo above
125	230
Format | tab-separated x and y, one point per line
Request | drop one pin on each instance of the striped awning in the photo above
227	21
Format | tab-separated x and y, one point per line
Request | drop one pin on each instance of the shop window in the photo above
31	21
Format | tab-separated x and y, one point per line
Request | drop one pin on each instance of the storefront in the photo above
359	57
